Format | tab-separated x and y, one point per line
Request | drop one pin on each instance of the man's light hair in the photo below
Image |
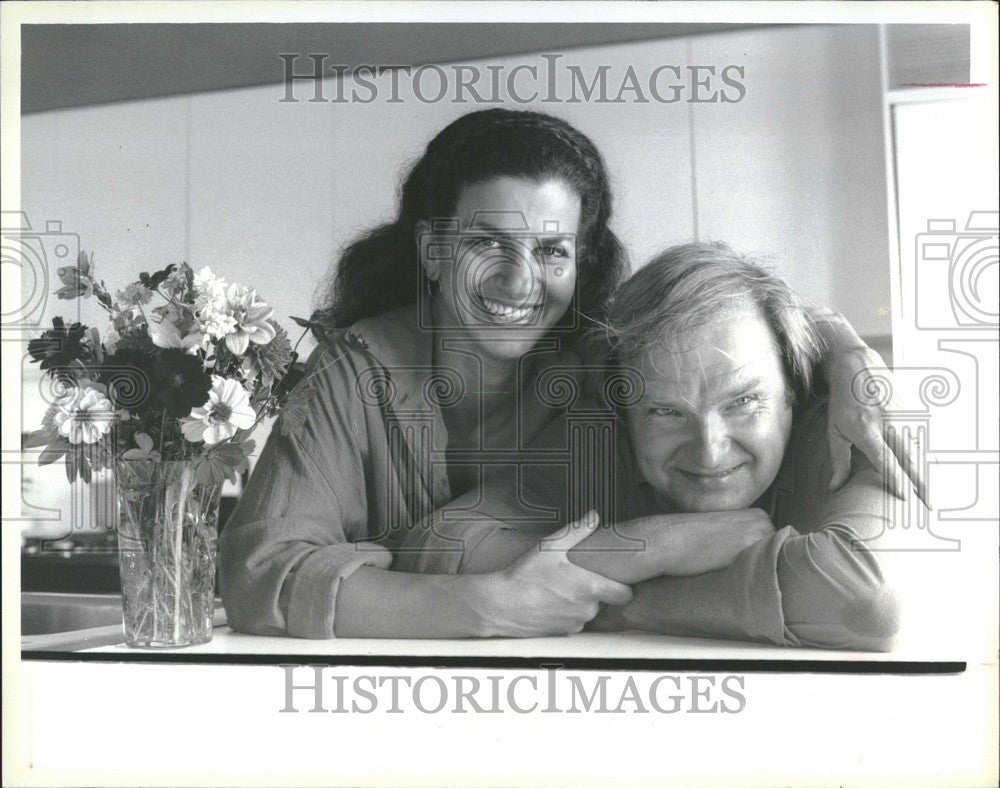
689	285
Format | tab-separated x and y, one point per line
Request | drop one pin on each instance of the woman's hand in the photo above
855	421
543	593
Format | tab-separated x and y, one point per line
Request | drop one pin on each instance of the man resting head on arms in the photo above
723	518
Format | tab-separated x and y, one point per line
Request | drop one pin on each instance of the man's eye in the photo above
670	412
487	242
746	401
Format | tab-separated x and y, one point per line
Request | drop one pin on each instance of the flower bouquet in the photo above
167	401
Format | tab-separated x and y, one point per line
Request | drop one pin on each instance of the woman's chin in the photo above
506	341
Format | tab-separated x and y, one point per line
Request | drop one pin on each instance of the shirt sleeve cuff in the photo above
312	603
760	614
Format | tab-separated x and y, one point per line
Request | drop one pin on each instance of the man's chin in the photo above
716	503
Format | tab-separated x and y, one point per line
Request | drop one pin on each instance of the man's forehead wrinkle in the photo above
727	355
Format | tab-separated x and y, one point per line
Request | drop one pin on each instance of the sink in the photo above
71	622
46	613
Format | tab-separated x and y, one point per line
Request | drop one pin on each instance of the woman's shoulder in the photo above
348	367
809	425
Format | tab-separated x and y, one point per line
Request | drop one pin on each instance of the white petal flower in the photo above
111	340
164	332
209	294
219	324
205	282
195	341
227	411
251	316
83	415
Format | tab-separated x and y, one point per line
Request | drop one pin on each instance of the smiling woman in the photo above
435	331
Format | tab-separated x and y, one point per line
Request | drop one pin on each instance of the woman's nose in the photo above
515	274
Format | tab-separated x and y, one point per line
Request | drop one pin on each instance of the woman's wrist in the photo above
478	598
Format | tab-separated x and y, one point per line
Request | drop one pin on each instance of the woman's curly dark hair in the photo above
381	271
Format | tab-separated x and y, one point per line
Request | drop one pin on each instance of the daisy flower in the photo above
227	411
83	416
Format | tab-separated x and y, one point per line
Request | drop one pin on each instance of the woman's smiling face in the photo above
711	430
509	274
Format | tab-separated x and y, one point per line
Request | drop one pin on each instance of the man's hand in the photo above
705	541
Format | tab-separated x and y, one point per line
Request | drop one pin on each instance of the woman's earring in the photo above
433	285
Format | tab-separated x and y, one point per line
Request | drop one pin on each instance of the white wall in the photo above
796	171
267	192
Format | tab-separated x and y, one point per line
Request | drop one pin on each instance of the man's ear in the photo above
432	267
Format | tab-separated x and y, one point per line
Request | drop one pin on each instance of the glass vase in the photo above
167	534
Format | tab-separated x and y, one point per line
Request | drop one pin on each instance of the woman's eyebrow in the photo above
543	237
488	229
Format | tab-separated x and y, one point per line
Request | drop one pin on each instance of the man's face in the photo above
711	430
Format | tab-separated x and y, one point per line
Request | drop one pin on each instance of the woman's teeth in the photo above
505	311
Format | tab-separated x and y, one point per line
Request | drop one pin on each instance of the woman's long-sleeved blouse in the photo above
356	458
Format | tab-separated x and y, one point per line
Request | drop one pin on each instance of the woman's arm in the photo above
295	557
541	593
297	574
846	367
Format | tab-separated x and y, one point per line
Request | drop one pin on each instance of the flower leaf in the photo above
42	437
317	329
54	451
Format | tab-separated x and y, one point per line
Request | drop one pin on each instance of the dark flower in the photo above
169	379
128	376
60	346
179	382
132	335
153	281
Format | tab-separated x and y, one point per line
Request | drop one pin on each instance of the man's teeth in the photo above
504	310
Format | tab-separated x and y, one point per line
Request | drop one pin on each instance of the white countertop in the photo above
585	645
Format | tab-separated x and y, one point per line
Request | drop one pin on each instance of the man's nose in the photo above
711	442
